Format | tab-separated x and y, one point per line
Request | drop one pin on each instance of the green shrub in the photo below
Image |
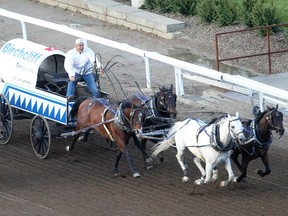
206	11
185	7
246	14
263	15
226	12
252	13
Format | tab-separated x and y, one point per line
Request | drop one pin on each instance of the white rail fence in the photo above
182	69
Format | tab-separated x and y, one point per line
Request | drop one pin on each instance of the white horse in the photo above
209	142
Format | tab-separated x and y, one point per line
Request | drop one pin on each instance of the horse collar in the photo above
121	121
261	143
216	142
152	109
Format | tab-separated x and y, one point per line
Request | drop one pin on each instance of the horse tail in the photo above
76	105
161	146
167	142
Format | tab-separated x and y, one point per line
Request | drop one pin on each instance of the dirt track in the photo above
81	182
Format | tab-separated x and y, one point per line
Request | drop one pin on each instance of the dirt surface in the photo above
81	182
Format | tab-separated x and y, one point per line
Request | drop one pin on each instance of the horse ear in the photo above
171	87
276	106
228	115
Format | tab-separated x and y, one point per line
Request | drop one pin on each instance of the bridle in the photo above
164	97
125	123
271	120
216	142
140	116
234	135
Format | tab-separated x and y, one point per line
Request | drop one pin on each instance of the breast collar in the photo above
256	137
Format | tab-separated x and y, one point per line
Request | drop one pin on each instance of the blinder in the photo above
123	123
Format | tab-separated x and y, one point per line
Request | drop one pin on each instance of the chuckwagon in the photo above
33	84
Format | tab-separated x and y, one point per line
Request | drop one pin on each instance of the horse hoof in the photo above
149	160
67	148
224	183
199	182
136	175
149	167
185	179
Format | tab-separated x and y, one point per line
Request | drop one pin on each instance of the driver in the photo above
79	61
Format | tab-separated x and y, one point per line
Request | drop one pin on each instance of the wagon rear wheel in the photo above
40	136
6	120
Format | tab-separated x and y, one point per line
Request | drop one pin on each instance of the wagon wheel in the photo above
6	120
40	136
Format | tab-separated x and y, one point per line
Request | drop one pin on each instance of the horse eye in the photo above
233	127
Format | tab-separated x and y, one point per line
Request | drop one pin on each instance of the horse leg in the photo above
130	162
198	163
84	136
184	166
214	175
234	157
242	167
265	160
118	157
161	157
141	145
71	147
243	171
231	177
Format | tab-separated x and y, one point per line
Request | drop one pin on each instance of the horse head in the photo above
275	120
236	128
166	102
130	117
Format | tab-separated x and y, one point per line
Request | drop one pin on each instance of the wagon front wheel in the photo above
6	120
40	136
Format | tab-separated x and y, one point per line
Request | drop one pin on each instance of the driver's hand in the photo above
100	71
72	78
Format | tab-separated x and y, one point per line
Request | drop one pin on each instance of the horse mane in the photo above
125	104
216	119
261	114
212	121
162	89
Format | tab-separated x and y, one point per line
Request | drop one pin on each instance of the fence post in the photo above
261	101
147	69
24	32
178	82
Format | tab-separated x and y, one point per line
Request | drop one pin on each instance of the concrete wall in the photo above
121	14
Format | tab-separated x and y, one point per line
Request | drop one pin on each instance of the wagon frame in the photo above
34	87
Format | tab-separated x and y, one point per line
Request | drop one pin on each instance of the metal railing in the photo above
268	53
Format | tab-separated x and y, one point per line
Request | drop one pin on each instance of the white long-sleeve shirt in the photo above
74	61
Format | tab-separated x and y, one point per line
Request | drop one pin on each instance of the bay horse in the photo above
116	122
209	142
259	133
160	115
